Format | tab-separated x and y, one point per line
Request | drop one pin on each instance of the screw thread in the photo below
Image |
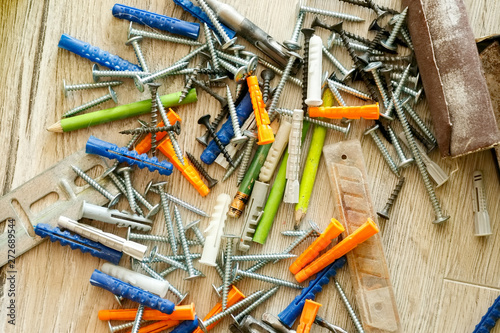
336	93
130	191
154	116
227	271
281	85
162	73
184	204
397	92
109	73
314	121
231	168
114	178
150	271
146	130
265	91
409	91
375	41
203	172
342	16
246	159
293	233
83	86
154	35
234	59
93	183
363	3
255	267
171	135
380	86
358	38
232	308
184	244
350	90
278	71
156	238
170	261
189	83
176	292
270	256
397	77
192	54
406	36
214	20
168	220
420	123
88	105
420	164
397	27
385	153
396	67
209	91
255	304
199	235
181	257
140	56
138	317
334	61
269	279
167	271
305	71
124	326
219	143
390	58
298	27
397	145
211	47
229	67
233	114
349	308
394	196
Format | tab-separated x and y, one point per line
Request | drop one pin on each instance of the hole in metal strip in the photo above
24	219
44	202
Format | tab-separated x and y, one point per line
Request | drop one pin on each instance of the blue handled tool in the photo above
120	288
198	13
162	22
226	132
489	319
187	326
131	157
294	309
95	54
78	242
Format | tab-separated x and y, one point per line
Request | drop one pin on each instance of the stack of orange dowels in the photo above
368	229
264	130
181	312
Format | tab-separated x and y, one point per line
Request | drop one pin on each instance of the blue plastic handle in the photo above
198	13
120	288
131	157
226	132
187	326
77	242
489	319
95	54
294	309
157	21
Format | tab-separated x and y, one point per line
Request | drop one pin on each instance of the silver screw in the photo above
407	58
270	256
138	317
183	204
397	92
160	238
315	121
227	268
388	44
420	123
113	198
342	16
349	90
215	21
336	93
229	310
293	233
125	172
255	304
166	214
266	278
88	105
141	81
181	257
113	329
171	134
231	169
239	73
97	73
349	308
258	265
355	46
313	230
192	54
167	271
281	85
440	217
153	88
409	91
373	68
82	86
189	83
403	160
278	71
134	41
293	42
383	149
211	48
246	157
197	232
238	136
345	72
155	256
250	64
153	35
413	79
184	244
157	276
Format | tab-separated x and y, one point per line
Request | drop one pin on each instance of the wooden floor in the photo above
444	278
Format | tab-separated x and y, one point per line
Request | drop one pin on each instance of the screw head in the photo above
95	68
350	74
371	129
440	219
418	95
113	94
308	32
383	214
204	120
373	66
241	74
347	130
153	211
137	39
108	171
65	89
203	140
152	254
388	47
267	74
252	64
405	163
114	200
157	185
138	83
386	116
129	33
229	43
215	289
202	326
239	139
292	45
124	170
374	26
337	27
314	226
183	297
177	128
212	182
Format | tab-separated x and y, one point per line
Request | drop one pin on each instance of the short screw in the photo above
403	160
184	244
267	75
166	214
342	16
176	128
228	253
211	15
440	217
153	35
82	86
388	44
390	202
88	105
211	181
231	169
349	307
125	172
293	42
238	136
113	198
383	149
134	41
265	278
255	304
246	157
205	121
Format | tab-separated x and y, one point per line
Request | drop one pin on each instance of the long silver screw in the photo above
88	105
183	204
97	73
211	48
141	81
171	134
238	72
351	91
388	44
166	214
390	108
281	85
413	79
373	68
345	72
266	278
293	43
315	121
125	172
160	238
420	123
197	232
251	64
157	276
414	93
181	257
155	256
231	169
227	268
82	86
153	35
238	135
152	209
153	88
278	71
336	93
246	158
241	304
349	308
184	244
113	198
192	54
403	160
138	318
215	21
258	302
372	131
313	230
270	256
255	267
134	41
440	217
342	16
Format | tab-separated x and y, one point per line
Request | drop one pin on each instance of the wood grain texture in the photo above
444	278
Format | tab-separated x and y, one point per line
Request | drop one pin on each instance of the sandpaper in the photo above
451	73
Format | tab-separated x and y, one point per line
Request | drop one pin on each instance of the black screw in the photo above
379	11
219	98
267	75
363	3
308	32
357	63
205	121
176	128
390	202
321	24
211	181
374	26
153	87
